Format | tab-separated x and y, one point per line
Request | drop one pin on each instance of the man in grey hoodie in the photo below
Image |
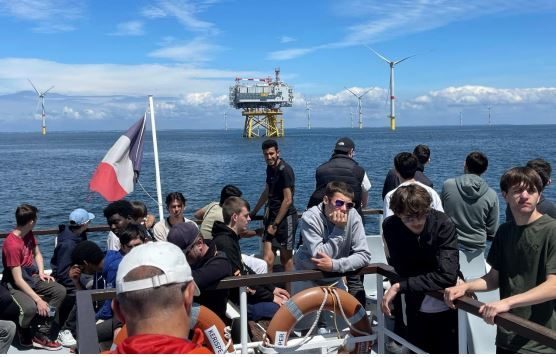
473	206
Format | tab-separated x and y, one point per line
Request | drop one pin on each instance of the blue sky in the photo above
104	57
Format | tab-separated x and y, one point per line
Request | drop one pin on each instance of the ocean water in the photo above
52	172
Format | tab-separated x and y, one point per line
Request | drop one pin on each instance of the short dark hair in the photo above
139	210
233	205
410	200
25	213
543	168
121	207
423	153
269	143
172	196
87	251
229	191
476	163
524	177
406	164
132	231
338	187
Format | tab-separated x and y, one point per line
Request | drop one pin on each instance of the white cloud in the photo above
47	16
184	11
290	53
375	96
204	99
286	39
196	51
70	112
129	28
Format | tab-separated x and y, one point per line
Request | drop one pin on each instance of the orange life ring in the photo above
309	300
207	321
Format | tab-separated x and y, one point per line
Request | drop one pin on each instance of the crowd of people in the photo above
160	269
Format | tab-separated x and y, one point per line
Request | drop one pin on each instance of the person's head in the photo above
26	215
189	239
521	188
132	236
229	191
271	152
411	204
88	256
337	196
476	163
543	168
423	153
235	211
154	287
175	203
139	211
344	146
406	165
79	220
118	215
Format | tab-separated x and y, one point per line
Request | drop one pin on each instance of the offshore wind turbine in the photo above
359	105
308	111
41	96
392	96
226	121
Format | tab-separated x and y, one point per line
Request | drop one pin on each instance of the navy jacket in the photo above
61	259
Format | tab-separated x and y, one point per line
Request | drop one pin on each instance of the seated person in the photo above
175	204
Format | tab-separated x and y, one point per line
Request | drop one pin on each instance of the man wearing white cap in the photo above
155	290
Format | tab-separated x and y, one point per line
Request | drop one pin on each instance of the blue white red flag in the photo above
119	169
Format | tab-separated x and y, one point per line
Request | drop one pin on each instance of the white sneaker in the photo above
66	339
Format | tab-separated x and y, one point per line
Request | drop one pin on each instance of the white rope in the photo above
228	336
351	327
151	197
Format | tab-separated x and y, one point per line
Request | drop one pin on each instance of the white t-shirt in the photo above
436	202
161	229
366	184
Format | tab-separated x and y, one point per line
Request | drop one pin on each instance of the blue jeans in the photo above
261	310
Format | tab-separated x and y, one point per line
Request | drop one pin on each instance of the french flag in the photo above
119	169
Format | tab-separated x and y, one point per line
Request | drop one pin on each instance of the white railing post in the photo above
243	318
462	332
379	314
380	219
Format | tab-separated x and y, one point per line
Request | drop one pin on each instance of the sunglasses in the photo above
340	203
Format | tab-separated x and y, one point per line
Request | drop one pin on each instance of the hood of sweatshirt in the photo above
471	187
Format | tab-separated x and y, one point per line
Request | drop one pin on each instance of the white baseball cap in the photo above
162	255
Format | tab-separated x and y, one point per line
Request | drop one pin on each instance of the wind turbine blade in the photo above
367	91
34	87
46	91
404	59
349	90
379	55
37	108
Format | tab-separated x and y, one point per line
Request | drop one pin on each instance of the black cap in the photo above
183	234
344	144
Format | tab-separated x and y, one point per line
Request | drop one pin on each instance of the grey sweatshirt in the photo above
474	208
347	247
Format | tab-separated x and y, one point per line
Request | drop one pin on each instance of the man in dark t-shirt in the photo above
280	218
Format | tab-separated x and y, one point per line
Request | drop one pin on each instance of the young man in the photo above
280	218
422	246
175	203
523	260
118	215
208	265
157	316
25	277
406	165
263	300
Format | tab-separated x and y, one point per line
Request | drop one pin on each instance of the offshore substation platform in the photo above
261	104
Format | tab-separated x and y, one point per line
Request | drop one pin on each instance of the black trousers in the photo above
434	332
356	289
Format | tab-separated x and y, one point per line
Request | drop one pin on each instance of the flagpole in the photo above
156	164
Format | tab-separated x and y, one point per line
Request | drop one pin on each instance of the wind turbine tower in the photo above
392	96
41	96
489	122
226	121
351	114
359	105
460	119
308	111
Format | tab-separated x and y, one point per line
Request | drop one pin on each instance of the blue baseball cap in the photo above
80	216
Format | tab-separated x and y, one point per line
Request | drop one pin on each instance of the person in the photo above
406	165
175	203
61	263
33	290
280	218
157	315
523	261
473	207
7	334
332	237
9	316
392	180
118	215
208	265
212	212
141	216
422	246
545	206
263	300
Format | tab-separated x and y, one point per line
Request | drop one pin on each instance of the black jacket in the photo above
207	273
61	259
340	167
425	262
227	241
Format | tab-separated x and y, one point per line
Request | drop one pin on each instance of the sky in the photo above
104	57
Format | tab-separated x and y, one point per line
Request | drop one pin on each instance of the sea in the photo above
53	171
